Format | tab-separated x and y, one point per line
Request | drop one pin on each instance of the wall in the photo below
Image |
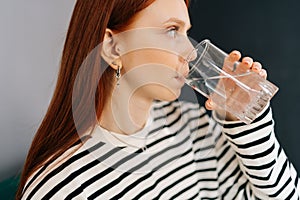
269	32
31	37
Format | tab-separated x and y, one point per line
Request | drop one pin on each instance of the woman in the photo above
124	136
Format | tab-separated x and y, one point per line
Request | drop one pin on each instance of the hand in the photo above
247	64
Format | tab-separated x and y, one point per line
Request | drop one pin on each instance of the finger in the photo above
209	105
256	67
230	60
234	56
263	73
247	62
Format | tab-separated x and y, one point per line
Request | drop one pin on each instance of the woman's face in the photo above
154	48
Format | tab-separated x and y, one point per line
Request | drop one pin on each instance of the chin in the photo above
169	95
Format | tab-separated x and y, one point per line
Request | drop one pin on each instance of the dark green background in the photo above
269	32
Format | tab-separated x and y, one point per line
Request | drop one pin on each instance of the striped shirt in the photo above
181	153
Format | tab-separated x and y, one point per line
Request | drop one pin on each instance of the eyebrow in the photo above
178	21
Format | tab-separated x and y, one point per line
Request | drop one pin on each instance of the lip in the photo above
180	79
182	76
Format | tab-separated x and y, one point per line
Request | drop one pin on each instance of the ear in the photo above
110	51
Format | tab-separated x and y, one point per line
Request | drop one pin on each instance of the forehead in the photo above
161	11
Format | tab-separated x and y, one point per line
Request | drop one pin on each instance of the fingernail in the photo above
247	62
262	72
235	53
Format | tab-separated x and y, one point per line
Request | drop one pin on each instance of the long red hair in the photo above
58	132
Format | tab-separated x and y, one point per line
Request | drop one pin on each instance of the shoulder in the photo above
57	179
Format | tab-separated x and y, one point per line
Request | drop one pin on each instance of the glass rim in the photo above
204	43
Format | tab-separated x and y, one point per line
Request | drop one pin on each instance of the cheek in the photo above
148	56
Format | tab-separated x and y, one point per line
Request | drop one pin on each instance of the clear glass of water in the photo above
232	87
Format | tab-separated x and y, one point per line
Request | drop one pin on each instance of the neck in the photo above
125	112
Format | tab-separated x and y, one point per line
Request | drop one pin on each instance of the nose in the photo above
190	52
193	55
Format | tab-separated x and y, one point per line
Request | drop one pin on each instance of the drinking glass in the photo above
231	86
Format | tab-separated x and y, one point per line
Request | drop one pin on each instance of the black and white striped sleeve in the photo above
269	173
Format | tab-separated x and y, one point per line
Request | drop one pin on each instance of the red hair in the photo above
57	132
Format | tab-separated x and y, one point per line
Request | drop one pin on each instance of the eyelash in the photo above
173	28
